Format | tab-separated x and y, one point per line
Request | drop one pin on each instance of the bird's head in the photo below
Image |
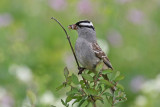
84	24
85	30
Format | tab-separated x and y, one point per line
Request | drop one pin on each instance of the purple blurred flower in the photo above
58	5
5	19
137	83
85	7
135	16
5	99
114	38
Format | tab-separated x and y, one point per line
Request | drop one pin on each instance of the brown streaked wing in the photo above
101	55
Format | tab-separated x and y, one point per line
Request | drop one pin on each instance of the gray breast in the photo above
85	54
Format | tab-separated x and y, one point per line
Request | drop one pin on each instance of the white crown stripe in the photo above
86	24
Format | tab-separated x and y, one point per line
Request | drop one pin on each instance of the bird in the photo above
89	53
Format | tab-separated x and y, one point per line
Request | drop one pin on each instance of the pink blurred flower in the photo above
114	38
85	7
58	5
135	16
5	99
137	83
5	19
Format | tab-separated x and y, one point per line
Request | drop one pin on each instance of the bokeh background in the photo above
34	49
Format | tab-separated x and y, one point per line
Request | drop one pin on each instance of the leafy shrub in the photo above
93	86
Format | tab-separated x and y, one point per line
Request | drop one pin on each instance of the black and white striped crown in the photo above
85	23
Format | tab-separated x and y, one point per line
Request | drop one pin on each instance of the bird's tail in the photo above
109	65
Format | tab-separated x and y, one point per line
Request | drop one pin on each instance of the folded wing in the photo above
101	55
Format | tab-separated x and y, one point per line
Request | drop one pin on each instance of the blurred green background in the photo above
34	49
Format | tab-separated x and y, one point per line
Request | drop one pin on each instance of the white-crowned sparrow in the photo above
87	50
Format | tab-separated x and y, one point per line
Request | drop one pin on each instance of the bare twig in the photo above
94	104
68	37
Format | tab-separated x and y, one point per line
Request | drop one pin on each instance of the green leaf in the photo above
88	104
60	87
87	77
69	80
82	83
67	105
111	100
117	73
99	88
77	100
99	66
107	71
81	102
73	91
120	77
63	102
108	94
85	103
113	75
106	82
66	72
119	86
31	96
75	79
116	92
92	91
68	99
99	98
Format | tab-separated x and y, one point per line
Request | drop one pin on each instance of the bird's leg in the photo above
81	69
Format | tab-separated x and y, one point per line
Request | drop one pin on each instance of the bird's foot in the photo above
81	69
